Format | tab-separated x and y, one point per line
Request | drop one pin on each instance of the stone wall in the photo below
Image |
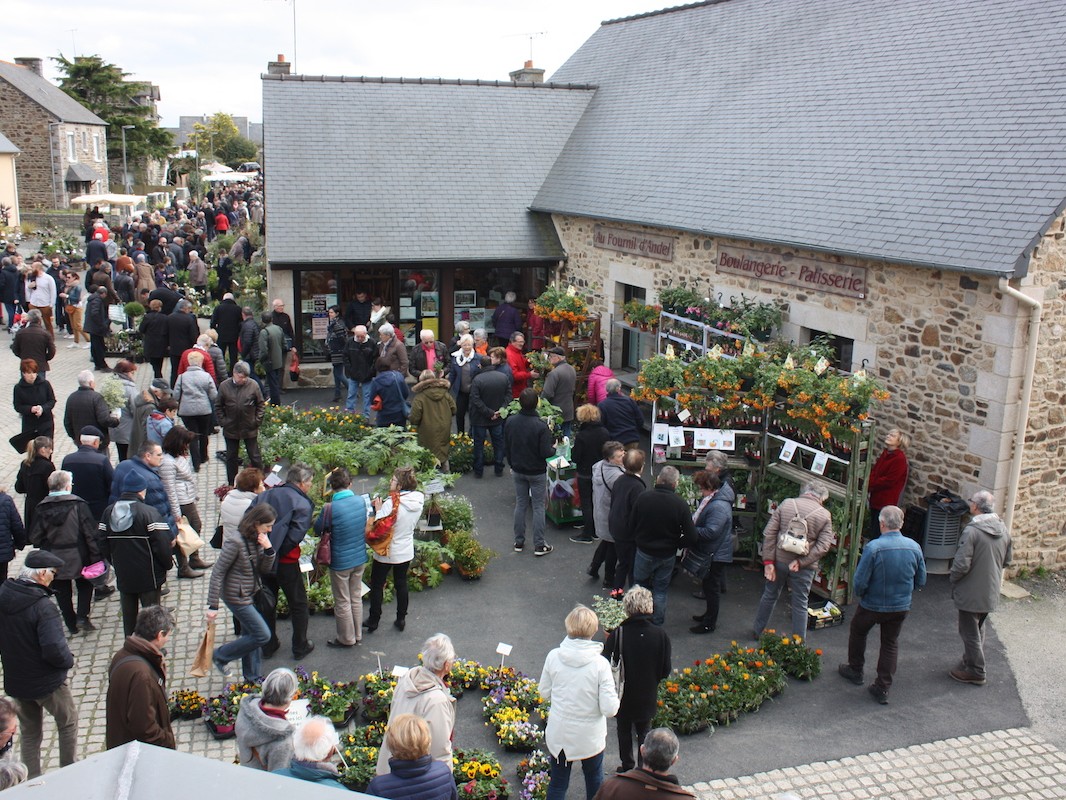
950	348
1040	510
26	124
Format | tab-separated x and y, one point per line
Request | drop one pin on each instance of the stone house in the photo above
63	144
893	173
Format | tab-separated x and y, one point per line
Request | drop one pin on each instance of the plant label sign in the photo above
788	450
820	461
660	433
504	649
677	437
684	415
399	672
702	438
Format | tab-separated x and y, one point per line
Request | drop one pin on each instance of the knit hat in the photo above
134	482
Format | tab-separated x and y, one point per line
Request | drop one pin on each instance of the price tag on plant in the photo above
399	672
305	564
660	433
504	649
684	415
787	450
820	461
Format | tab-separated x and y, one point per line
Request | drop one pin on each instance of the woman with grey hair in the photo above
264	735
645	651
421	691
12	773
782	566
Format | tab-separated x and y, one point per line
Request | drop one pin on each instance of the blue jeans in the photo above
340	383
355	389
592	767
478	433
654	573
567	429
529	488
248	646
800	584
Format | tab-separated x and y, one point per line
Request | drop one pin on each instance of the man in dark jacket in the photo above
293	508
167	296
528	443
136	538
182	332
9	283
97	325
427	354
358	310
559	388
34	341
147	462
660	525
87	408
248	337
226	319
239	409
621	415
489	392
137	684
272	355
36	659
360	354
653	779
91	470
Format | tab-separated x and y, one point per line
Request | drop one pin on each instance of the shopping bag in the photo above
203	660
188	539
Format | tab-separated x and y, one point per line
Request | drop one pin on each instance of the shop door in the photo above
376	283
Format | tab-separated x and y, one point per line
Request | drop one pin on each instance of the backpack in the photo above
794	538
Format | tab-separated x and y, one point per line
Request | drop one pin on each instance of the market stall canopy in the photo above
215	166
108	200
231	177
138	771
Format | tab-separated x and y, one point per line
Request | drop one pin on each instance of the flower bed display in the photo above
562	305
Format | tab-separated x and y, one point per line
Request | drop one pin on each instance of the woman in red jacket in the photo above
888	477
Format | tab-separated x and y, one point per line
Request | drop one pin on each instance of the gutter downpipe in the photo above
1035	311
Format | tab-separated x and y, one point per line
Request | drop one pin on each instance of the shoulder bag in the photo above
794	538
324	551
379	531
263	599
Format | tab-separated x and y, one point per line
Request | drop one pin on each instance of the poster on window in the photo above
319	326
430	304
465	299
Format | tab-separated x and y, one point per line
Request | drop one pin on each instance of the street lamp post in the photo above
125	170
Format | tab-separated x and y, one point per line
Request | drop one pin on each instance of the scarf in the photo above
700	507
462	360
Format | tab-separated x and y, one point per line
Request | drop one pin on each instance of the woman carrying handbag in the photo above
393	543
236	578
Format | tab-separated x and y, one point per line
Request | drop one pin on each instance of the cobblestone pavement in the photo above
1010	763
1014	763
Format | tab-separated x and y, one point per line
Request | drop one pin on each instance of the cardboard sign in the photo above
788	450
820	461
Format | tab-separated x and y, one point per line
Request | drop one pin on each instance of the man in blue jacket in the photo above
891	568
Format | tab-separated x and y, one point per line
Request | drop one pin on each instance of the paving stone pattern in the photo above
1012	763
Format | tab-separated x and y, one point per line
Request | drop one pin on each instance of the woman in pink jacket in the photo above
598	378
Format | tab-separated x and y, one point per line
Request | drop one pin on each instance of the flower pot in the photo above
470	575
220	732
342	720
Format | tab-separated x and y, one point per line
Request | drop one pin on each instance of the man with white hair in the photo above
314	744
976	577
391	348
428	354
421	691
86	407
91	470
36	659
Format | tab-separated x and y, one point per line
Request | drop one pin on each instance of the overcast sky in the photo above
207	56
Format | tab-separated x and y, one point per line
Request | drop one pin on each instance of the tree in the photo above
219	138
103	89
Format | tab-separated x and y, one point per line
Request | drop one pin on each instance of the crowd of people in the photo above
98	527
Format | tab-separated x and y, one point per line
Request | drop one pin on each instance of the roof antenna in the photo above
531	37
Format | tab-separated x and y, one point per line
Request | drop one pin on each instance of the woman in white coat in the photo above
404	506
577	682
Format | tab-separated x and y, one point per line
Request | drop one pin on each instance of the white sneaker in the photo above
71	346
85	347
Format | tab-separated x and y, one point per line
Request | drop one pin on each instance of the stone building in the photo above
63	145
894	173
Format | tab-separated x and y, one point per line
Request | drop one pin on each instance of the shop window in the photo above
418	305
96	147
316	293
842	347
484	288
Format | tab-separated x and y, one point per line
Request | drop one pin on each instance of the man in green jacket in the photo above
272	355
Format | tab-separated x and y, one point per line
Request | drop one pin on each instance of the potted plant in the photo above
562	305
642	316
676	299
470	555
359	767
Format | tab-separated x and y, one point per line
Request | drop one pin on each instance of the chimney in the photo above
279	67
34	65
527	74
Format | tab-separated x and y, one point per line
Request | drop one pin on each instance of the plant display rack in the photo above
689	334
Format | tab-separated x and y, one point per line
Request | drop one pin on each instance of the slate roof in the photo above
47	95
911	131
411	170
6	146
81	172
